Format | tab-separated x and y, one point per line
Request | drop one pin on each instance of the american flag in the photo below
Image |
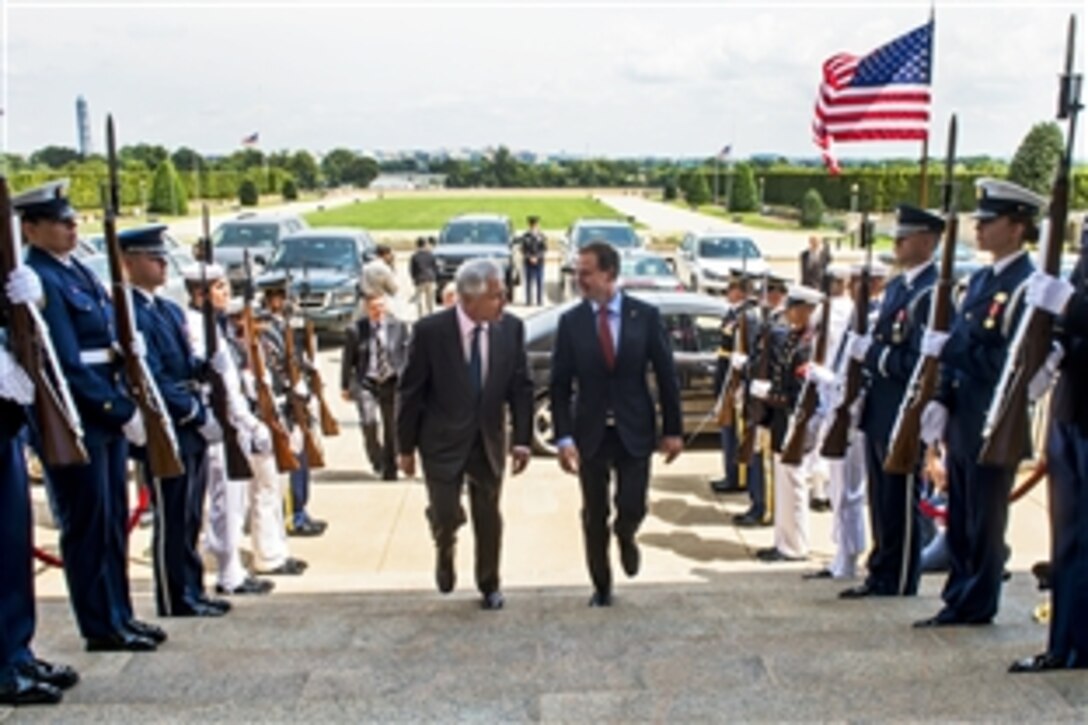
882	96
250	140
724	153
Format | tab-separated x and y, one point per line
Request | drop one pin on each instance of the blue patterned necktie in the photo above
475	362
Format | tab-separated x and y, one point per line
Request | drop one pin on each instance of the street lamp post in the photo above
761	182
853	214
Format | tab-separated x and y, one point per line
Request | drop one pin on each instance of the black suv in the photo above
472	236
256	233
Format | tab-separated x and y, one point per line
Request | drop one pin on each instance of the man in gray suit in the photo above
466	368
375	353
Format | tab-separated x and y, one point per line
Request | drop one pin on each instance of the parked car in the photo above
257	233
324	266
640	269
693	324
476	235
619	234
178	258
705	260
97	244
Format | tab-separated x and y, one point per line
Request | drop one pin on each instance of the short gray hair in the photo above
473	276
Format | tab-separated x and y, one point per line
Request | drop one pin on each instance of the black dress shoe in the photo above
1041	572
216	602
1039	663
145	629
722	485
27	691
290	567
200	609
629	555
773	555
61	677
249	585
444	576
819	505
601	599
306	528
749	519
121	642
859	592
941	620
818	574
492	600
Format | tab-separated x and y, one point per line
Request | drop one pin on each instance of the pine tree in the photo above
167	192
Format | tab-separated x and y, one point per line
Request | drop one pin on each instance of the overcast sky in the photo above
612	79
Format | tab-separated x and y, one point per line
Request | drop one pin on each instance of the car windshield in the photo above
245	235
543	323
644	267
472	232
315	252
620	237
727	247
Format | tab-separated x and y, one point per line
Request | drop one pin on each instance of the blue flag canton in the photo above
904	60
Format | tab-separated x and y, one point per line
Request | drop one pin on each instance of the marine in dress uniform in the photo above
91	500
889	354
972	356
24	679
534	246
179	501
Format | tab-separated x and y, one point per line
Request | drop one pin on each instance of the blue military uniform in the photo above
90	500
179	501
971	363
894	564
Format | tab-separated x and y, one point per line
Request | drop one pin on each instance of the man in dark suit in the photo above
375	353
603	347
814	261
466	368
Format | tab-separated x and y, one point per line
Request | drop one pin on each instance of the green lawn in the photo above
432	212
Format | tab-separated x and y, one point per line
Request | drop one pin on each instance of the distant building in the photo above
407	180
83	127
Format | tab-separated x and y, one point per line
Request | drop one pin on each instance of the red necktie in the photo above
604	332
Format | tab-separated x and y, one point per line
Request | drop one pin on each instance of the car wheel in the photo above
542	427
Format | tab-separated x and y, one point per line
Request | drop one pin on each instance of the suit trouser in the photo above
227	500
534	277
266	523
745	476
895	560
978	512
91	501
791	512
446	514
300	490
632	482
846	489
17	617
425	298
372	402
1067	462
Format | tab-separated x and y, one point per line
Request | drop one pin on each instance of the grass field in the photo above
424	213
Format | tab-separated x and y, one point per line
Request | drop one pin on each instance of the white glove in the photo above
211	430
1048	293
933	342
138	345
738	360
760	389
830	393
934	422
15	384
819	375
858	345
134	430
249	384
1047	374
300	389
261	439
296	440
23	286
220	362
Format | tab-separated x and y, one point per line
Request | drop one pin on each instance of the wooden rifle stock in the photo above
300	413
266	403
837	438
163	457
727	400
329	424
906	440
238	468
1007	421
55	416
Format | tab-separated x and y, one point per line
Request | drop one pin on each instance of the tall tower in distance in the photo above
83	127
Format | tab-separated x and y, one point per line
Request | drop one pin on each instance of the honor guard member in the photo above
534	247
1067	464
738	476
972	355
272	339
889	354
24	679
791	351
777	290
91	500
178	501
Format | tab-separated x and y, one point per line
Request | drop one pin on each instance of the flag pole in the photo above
923	186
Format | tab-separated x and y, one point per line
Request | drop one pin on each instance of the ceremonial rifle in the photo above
734	375
838	433
238	468
1007	420
329	425
56	417
163	457
266	403
756	409
300	412
906	440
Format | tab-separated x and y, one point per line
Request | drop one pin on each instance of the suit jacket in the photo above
359	344
1070	396
437	411
812	270
577	361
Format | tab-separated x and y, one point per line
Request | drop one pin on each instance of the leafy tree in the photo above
335	165
247	193
744	196
670	190
302	166
812	209
697	192
54	157
361	171
289	190
151	155
245	159
1036	160
186	159
167	192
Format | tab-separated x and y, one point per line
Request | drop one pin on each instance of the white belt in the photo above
96	357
